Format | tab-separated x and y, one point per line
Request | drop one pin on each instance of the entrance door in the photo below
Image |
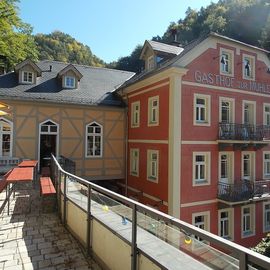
48	142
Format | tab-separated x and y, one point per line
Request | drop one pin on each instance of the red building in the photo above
199	134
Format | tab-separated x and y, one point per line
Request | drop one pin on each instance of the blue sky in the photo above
111	28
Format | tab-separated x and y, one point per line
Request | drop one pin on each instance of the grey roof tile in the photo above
162	47
96	87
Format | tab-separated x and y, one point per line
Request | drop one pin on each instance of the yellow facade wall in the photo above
72	120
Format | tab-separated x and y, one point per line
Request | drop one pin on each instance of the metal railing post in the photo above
134	238
65	201
243	261
59	193
89	218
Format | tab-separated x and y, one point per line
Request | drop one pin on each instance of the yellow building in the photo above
68	110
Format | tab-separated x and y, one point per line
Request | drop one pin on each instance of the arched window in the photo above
5	138
94	140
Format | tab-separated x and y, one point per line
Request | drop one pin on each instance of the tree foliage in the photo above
244	20
264	246
16	42
62	47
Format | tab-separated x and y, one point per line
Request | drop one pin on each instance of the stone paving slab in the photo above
30	239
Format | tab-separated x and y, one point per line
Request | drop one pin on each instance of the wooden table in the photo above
19	175
30	163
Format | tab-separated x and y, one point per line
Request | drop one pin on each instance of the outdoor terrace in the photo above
110	229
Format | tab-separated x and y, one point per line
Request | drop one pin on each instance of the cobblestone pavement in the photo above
33	240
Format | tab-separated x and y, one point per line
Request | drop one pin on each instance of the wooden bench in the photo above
48	194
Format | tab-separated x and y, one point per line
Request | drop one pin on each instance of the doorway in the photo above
48	142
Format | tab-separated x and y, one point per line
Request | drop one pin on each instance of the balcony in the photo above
233	134
243	190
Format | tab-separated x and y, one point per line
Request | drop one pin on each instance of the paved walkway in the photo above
33	240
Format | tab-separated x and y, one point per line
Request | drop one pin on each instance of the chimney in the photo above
3	64
50	68
174	42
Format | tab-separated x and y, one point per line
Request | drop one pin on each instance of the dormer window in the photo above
27	77
69	82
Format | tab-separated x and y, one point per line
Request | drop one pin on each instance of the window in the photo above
202	110
201	168
226	223
202	221
135	114
266	115
248	165
226	111
226	62
248	222
153	111
69	82
226	167
152	165
134	162
266	164
5	138
249	112
248	67
27	77
150	62
94	140
266	217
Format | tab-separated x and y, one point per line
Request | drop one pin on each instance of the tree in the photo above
264	246
17	42
62	47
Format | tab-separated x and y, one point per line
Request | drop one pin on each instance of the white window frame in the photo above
266	229
207	170
69	79
230	162
9	133
230	219
206	223
207	121
230	54
266	175
134	159
94	134
266	115
251	59
252	155
151	109
150	161
27	75
135	111
249	102
231	108
251	216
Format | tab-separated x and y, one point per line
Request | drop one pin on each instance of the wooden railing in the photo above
245	132
243	190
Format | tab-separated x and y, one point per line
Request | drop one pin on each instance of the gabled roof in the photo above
188	48
96	86
28	62
72	68
160	47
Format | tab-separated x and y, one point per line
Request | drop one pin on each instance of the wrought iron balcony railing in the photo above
243	190
243	132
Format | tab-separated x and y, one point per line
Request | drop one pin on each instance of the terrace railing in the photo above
125	234
243	190
243	132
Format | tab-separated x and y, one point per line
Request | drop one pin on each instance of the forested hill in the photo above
244	20
62	47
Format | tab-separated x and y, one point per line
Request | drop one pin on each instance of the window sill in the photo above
198	123
152	179
201	183
248	234
229	74
134	174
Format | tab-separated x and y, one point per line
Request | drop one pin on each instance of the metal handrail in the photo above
242	190
245	132
244	255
